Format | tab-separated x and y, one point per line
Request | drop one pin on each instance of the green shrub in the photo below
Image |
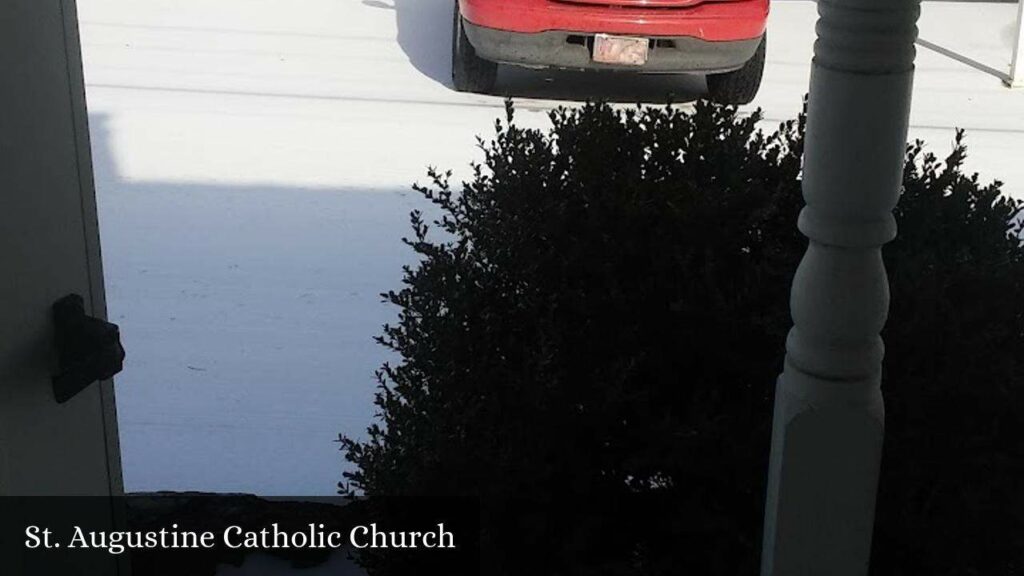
597	330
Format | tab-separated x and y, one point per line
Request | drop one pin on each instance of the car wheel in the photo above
470	73
739	86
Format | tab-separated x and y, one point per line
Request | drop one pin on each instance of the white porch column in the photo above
1016	79
828	420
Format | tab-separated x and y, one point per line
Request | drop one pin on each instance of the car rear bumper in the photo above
559	49
712	20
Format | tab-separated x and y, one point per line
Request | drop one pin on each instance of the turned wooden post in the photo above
828	420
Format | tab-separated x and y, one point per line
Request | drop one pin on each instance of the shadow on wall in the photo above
424	34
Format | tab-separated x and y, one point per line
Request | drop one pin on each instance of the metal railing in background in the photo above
1016	76
1013	76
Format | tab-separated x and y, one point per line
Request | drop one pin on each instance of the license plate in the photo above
625	50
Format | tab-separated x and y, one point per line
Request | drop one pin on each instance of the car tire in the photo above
470	73
739	86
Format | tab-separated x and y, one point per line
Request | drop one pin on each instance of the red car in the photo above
723	39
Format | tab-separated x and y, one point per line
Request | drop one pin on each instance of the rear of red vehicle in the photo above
721	38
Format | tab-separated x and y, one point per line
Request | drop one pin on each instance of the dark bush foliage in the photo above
598	329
